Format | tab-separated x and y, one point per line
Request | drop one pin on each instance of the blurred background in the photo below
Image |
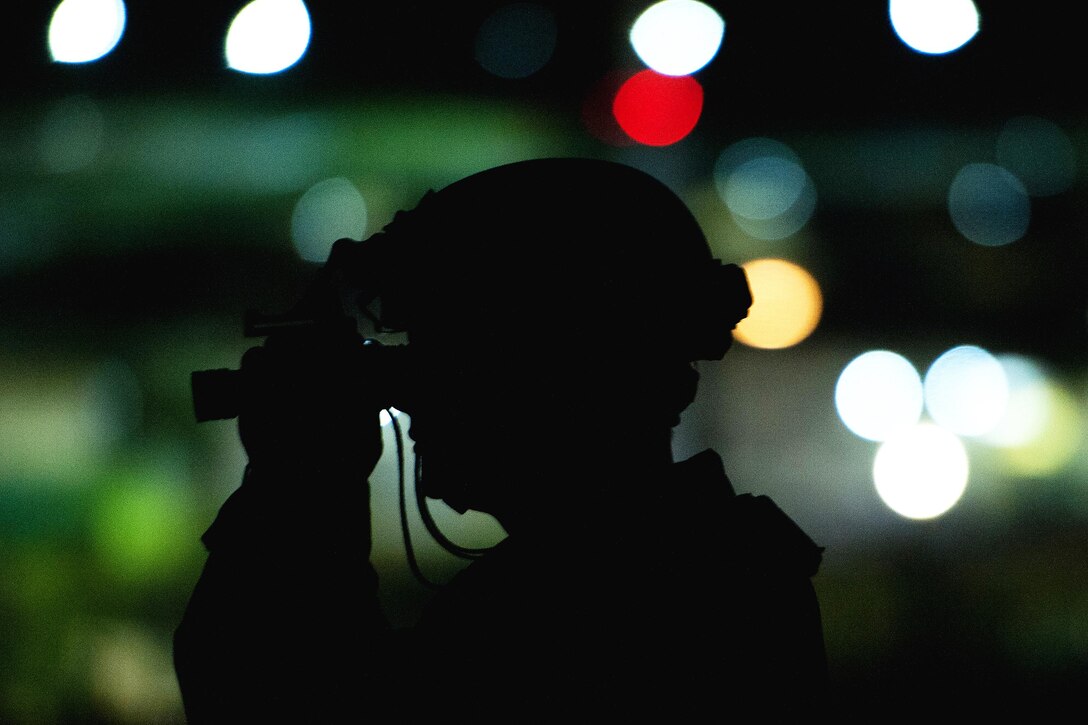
903	181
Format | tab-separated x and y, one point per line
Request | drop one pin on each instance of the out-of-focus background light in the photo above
516	40
141	525
934	26
133	673
71	135
966	391
989	205
329	210
786	306
85	30
766	189
268	36
656	109
677	37
1060	439
878	394
921	472
1030	406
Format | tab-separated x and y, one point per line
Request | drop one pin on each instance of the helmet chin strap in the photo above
424	513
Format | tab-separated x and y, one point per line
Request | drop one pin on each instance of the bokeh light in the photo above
56	429
71	134
934	27
1057	443
1039	153
132	675
276	155
921	472
766	189
516	40
966	391
329	210
656	109
84	30
677	37
989	205
1030	405
143	523
878	394
268	36
786	308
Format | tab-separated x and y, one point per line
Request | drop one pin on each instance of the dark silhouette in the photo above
554	310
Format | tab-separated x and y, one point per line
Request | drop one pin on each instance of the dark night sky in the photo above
782	63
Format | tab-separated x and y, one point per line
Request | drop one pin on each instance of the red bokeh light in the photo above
658	110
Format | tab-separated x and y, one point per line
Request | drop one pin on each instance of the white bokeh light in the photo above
84	30
677	37
934	27
878	394
329	210
921	472
966	391
1030	406
268	36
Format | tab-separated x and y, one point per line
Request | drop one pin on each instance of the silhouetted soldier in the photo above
554	310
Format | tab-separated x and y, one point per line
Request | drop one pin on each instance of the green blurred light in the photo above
1029	405
1039	152
143	524
1056	443
58	427
245	154
51	430
42	594
71	134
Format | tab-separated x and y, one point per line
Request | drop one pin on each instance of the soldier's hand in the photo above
308	405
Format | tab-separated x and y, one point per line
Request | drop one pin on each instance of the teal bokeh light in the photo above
516	40
989	205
